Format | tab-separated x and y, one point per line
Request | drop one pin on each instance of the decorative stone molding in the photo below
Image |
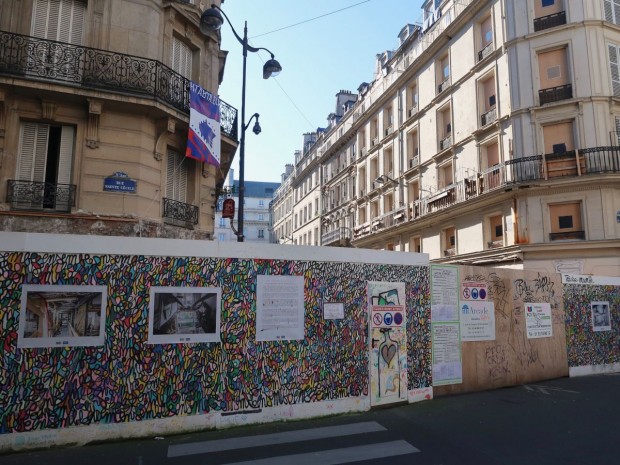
165	127
92	132
48	110
2	114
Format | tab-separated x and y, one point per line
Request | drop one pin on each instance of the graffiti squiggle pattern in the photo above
129	380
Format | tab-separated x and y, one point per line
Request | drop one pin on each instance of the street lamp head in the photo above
211	20
256	129
271	68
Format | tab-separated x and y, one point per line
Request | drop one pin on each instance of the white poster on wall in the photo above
279	308
601	318
477	321
538	321
444	293
447	359
333	310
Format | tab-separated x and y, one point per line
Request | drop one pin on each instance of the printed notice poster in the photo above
447	361
538	322
279	308
477	321
333	310
387	304
601	319
444	293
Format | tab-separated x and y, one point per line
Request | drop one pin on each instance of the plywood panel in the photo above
512	358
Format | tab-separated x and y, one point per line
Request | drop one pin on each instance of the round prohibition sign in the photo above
377	319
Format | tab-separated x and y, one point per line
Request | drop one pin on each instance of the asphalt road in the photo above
563	421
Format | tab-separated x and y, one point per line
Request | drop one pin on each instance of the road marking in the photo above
205	447
338	456
545	389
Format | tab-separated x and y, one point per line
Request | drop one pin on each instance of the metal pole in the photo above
242	141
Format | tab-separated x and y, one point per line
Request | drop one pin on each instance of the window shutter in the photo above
32	152
176	177
60	20
65	156
181	58
614	68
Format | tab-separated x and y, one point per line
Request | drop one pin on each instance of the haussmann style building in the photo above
94	116
490	136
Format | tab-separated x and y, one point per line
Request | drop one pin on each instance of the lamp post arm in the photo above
240	39
245	126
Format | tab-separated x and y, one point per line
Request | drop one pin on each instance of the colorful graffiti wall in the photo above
128	380
588	344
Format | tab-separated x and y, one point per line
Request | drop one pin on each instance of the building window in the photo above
488	109
612	11
415	244
176	177
614	66
181	58
45	156
222	222
221	237
261	203
449	241
566	221
546	3
443	73
61	20
553	74
261	233
496	231
261	217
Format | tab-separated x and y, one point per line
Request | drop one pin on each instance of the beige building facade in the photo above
488	137
94	113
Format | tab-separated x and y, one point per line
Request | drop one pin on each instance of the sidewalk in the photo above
563	421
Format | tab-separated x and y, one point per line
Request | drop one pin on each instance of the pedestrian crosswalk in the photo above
316	455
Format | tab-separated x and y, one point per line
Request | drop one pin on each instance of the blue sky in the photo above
318	58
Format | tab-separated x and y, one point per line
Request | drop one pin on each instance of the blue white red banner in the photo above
203	139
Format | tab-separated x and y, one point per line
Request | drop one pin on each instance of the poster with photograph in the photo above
538	322
184	315
279	308
62	316
601	318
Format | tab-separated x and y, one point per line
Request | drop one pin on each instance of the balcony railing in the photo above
414	161
180	213
48	60
337	236
485	52
488	117
549	21
443	86
445	143
39	196
567	235
413	110
596	160
555	94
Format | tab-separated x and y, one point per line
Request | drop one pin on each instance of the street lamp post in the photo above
212	20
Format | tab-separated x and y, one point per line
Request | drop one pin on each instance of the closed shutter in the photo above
614	67
612	11
32	152
61	20
181	58
176	177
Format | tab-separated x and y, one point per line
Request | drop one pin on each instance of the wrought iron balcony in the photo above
39	196
601	159
445	143
485	52
555	94
549	21
338	236
180	213
488	117
524	169
443	86
567	235
48	60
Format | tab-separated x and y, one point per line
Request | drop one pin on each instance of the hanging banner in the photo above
203	138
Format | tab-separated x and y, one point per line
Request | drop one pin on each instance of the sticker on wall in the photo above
601	318
279	308
538	320
333	310
62	316
474	291
184	315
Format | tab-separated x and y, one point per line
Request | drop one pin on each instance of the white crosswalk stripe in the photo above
324	457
